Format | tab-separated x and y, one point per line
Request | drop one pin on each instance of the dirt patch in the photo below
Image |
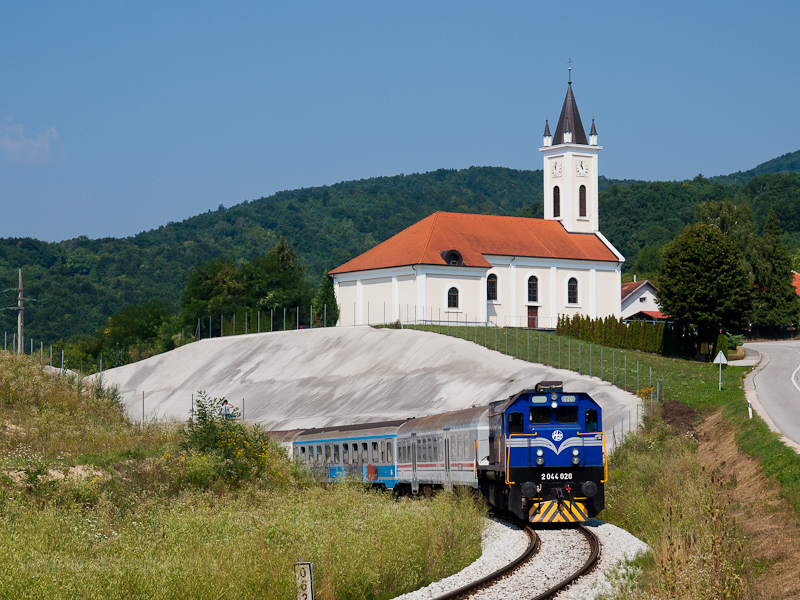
680	416
772	528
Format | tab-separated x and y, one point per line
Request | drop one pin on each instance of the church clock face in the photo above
582	168
555	170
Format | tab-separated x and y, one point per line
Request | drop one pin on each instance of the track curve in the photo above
533	548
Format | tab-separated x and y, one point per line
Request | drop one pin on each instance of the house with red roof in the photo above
507	271
640	301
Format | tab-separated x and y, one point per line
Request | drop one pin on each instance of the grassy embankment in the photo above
715	494
92	506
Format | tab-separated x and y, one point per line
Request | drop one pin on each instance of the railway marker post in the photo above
304	575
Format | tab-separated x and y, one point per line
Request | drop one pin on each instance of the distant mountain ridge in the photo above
788	163
80	282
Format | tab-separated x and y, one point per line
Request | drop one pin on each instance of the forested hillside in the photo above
79	283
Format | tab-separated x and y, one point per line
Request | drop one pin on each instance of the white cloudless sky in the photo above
120	117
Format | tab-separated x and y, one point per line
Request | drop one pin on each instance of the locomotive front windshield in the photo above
567	415
540	415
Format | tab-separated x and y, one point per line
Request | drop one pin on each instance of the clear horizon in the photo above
117	119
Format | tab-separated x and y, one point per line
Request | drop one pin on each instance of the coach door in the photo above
533	317
448	481
414	480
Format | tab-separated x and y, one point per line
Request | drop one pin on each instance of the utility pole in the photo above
20	308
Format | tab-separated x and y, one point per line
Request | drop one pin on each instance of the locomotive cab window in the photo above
540	415
516	423
566	415
591	420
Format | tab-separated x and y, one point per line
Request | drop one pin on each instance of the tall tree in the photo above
776	301
703	282
326	310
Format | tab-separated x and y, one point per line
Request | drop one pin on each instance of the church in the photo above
504	271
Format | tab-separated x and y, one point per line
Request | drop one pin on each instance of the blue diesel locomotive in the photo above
539	455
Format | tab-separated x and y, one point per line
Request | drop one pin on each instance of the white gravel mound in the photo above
318	377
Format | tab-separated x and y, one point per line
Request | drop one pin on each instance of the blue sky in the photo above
119	117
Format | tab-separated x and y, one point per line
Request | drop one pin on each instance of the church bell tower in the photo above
570	170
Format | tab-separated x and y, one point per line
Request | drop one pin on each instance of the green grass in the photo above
94	506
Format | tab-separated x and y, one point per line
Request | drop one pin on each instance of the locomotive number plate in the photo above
556	476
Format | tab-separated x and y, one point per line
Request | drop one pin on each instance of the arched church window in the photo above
452	298
582	201
572	291
491	287
556	202
533	289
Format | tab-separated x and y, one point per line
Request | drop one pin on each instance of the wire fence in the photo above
542	346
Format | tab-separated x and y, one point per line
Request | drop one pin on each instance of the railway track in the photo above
515	579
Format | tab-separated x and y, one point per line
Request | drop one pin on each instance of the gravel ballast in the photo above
562	552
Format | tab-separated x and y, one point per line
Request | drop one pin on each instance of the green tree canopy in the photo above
703	281
221	287
776	301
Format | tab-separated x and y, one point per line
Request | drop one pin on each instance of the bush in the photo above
241	453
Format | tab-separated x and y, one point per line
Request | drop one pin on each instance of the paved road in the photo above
776	381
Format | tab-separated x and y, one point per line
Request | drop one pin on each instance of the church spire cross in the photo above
569	63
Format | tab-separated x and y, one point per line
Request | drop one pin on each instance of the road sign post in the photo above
720	360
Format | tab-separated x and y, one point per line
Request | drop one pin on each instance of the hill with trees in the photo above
78	284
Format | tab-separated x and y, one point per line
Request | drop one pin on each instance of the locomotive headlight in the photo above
554	405
540	461
576	460
575	452
540	452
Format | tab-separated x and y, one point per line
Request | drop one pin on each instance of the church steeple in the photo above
571	171
570	122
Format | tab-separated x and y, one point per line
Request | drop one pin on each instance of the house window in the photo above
642	299
491	287
533	289
572	291
582	201
556	202
452	298
452	257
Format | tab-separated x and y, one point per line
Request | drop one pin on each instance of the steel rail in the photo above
594	546
533	548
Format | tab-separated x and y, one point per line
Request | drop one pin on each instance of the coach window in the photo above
591	420
303	456
389	445
364	453
516	423
383	452
566	415
336	455
374	453
540	415
435	448
346	454
327	453
354	454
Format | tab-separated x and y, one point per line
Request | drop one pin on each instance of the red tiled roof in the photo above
629	288
652	315
474	236
796	281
